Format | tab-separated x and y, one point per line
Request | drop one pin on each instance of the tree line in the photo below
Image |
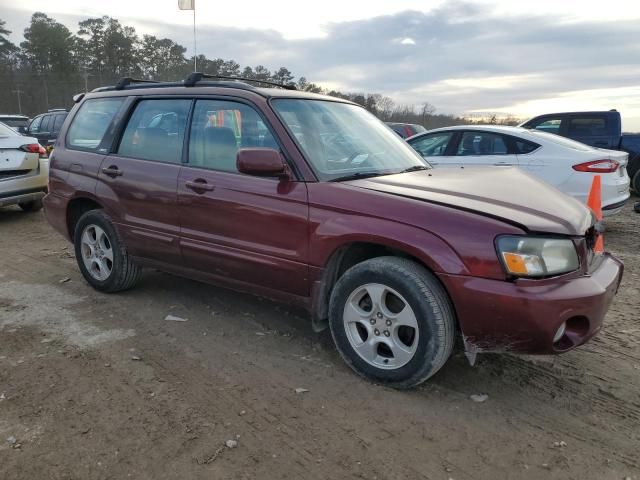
53	63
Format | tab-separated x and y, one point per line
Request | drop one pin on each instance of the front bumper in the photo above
524	315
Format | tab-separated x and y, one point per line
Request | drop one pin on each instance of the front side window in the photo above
481	143
219	128
35	125
549	125
156	130
58	123
45	126
341	140
432	145
91	122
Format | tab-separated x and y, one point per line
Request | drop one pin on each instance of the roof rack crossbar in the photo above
123	82
195	77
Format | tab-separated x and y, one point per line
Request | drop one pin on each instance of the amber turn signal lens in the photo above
515	263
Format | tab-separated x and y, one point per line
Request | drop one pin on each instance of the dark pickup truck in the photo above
599	129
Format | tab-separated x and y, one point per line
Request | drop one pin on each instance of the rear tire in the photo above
32	206
101	255
392	321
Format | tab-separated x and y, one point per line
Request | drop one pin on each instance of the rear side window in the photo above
156	130
432	145
219	128
588	126
523	146
91	123
482	143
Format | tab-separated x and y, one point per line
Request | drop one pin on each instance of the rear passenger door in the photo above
138	180
484	149
246	229
436	148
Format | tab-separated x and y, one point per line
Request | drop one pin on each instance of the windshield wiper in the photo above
415	168
358	175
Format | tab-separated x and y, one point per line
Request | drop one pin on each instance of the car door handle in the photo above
112	171
199	186
502	164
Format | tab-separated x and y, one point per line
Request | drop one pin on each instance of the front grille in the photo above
4	174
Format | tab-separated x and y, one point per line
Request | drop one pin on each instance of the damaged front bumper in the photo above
525	315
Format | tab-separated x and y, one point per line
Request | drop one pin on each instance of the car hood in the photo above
505	193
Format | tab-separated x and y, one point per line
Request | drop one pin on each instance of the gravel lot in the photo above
96	386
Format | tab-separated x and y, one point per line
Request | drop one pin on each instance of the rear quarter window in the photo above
91	123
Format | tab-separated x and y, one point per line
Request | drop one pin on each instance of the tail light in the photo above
408	132
35	148
597	166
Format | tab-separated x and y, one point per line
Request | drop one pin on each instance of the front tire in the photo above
392	321
101	255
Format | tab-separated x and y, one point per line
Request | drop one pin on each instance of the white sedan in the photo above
566	164
24	170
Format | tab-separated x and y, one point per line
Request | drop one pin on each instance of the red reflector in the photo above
597	166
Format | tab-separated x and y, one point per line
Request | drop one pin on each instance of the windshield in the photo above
343	141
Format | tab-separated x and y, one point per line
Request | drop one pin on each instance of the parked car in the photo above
566	164
18	122
406	130
598	129
24	170
46	126
398	259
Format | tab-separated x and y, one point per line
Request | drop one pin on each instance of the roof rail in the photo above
125	81
195	77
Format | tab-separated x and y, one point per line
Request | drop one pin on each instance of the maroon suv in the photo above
311	200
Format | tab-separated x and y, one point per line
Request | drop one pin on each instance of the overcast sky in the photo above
523	58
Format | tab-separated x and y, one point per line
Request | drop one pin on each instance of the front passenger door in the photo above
244	229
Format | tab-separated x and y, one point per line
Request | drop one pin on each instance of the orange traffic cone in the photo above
594	202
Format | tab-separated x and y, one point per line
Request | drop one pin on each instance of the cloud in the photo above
459	57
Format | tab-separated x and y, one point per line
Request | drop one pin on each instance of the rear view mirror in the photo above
261	162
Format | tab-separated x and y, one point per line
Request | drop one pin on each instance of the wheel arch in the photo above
77	207
350	253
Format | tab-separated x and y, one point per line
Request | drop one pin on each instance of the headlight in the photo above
537	257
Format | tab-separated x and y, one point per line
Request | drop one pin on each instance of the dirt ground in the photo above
96	386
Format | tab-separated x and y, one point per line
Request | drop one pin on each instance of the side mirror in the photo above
261	162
